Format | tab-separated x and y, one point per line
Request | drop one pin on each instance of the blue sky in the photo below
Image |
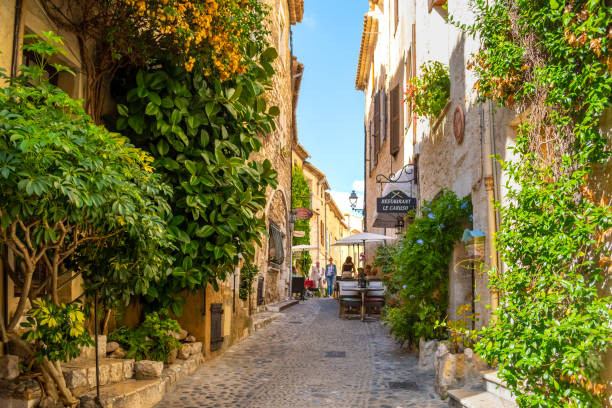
330	109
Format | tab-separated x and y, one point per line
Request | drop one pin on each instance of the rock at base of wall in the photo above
427	353
457	370
111	346
181	335
190	339
450	370
119	353
89	352
148	370
172	357
189	349
9	367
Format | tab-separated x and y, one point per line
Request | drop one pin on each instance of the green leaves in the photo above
202	134
56	331
418	267
554	324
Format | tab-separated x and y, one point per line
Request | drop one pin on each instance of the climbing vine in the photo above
419	276
551	61
301	198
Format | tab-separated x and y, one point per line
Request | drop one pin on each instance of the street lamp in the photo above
353	200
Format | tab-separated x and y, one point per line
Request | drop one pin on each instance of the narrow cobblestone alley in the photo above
310	358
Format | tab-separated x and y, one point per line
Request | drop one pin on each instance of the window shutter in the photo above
408	64
384	116
376	126
395	120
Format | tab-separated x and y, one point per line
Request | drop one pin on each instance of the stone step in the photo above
134	393
261	320
496	386
282	305
80	375
464	398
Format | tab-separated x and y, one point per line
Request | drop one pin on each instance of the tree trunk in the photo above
25	291
106	321
55	371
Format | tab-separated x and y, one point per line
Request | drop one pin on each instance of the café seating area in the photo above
360	300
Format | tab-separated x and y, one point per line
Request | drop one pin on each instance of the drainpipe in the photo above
489	178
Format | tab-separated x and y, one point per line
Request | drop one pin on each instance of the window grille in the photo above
276	252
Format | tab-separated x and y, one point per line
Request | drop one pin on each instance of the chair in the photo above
349	297
375	298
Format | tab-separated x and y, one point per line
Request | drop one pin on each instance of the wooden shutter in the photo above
260	288
395	120
376	135
408	64
384	116
216	335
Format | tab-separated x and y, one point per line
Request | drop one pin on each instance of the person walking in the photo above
330	275
316	273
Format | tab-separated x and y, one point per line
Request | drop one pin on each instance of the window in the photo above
376	134
384	116
395	120
276	251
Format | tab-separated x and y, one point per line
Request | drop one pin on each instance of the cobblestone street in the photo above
310	358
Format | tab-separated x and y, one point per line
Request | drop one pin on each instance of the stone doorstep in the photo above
18	403
477	399
80	375
133	393
282	305
261	320
496	386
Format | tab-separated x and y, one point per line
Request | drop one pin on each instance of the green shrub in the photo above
152	340
247	275
419	278
429	92
57	331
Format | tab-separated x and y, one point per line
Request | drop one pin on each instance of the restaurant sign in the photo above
395	202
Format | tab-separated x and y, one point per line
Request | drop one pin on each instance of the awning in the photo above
400	196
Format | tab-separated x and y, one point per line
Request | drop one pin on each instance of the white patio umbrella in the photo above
299	248
361	238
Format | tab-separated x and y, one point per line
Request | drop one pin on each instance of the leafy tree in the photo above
301	196
65	183
202	134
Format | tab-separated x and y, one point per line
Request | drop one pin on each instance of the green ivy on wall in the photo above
301	198
550	60
419	276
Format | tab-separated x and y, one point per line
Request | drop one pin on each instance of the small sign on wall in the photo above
396	202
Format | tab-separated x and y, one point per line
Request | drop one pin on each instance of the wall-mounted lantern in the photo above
474	241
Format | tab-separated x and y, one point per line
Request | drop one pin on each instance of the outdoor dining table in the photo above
363	292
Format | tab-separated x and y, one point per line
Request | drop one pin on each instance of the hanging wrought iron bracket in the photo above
382	179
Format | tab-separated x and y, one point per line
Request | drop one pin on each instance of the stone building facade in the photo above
447	152
453	151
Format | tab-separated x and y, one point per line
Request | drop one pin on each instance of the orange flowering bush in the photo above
215	32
